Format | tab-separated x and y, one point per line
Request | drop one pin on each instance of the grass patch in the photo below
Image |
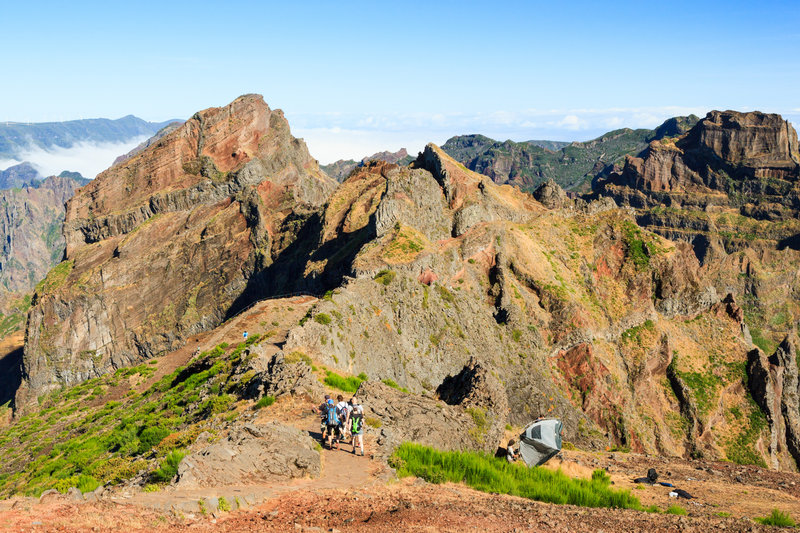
676	509
777	518
265	401
394	385
490	474
322	318
346	384
373	422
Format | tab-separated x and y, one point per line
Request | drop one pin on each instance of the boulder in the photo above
252	454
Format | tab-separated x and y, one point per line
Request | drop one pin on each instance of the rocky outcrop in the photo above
251	454
275	375
341	169
406	417
550	195
748	161
773	383
172	241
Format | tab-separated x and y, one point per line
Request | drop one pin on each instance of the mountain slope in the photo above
433	275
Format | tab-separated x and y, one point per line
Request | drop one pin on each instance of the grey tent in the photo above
540	441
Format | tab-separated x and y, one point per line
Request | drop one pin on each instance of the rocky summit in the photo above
455	308
163	245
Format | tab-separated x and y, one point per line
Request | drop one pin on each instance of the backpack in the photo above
356	419
333	420
341	412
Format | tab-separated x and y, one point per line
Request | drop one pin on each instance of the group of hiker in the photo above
342	420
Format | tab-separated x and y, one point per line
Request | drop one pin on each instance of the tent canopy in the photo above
540	441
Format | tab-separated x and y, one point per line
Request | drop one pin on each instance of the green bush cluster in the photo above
67	439
385	277
777	518
346	384
490	474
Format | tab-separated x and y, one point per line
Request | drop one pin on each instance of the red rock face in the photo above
164	244
744	147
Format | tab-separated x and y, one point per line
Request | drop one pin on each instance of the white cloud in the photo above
87	158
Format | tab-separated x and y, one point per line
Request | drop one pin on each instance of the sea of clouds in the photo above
87	158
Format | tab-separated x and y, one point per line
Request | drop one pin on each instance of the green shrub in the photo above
150	437
322	318
346	384
491	474
676	509
265	401
777	518
385	277
169	466
223	505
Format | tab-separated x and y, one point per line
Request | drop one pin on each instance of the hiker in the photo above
343	412
323	411
357	425
511	454
332	425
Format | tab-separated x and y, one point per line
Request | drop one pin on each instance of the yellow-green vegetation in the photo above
385	277
777	518
346	384
741	449
481	423
405	245
635	334
373	422
76	439
322	318
15	320
676	509
490	474
223	504
55	278
393	384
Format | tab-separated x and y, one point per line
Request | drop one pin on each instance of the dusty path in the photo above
340	470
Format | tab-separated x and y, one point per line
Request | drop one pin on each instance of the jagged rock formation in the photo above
30	231
251	454
167	243
342	168
572	165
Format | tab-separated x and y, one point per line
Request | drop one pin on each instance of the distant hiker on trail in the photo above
357	425
323	411
332	425
511	454
343	412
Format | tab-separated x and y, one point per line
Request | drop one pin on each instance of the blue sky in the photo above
357	77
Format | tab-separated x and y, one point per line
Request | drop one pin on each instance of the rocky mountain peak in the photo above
753	139
166	244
